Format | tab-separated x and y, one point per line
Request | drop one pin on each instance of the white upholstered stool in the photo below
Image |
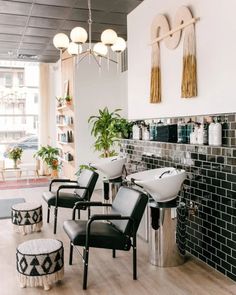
27	217
40	262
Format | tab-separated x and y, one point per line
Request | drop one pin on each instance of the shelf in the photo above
65	126
65	143
65	107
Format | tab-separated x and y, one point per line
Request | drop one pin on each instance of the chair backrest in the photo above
87	178
129	202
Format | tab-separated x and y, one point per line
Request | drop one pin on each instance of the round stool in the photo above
40	262
27	217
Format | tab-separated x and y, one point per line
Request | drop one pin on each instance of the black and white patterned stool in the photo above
40	262
27	217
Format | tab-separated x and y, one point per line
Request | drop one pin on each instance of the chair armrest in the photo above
104	217
61	187
60	180
109	216
85	204
89	204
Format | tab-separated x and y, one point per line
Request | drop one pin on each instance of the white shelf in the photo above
65	143
65	107
64	126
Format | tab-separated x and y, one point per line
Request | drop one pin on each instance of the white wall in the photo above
216	60
96	91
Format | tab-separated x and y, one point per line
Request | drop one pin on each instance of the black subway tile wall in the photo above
210	184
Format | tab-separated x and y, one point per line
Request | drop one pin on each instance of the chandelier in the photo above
79	36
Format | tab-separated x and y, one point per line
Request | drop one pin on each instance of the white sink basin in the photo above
163	184
111	167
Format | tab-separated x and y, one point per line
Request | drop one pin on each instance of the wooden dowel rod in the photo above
184	25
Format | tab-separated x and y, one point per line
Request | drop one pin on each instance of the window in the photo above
19	108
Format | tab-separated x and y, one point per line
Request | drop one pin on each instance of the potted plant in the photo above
50	156
68	100
60	101
105	131
15	154
124	127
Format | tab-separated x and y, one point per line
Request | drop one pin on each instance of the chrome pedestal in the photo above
163	248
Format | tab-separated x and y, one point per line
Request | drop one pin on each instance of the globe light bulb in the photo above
78	35
100	49
119	45
61	41
108	37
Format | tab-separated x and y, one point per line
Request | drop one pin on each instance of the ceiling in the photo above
27	27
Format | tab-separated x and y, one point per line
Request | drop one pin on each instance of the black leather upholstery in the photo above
119	233
102	235
67	199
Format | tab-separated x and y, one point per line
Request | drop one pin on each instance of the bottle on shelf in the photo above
193	137
152	130
200	134
136	130
145	132
211	132
217	133
181	131
189	129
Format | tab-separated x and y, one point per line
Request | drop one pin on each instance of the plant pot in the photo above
15	164
54	174
69	102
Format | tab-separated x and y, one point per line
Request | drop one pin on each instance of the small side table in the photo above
40	262
27	217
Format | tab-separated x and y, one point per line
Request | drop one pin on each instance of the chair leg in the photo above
55	220
71	254
114	253
134	259
78	213
89	212
86	258
48	215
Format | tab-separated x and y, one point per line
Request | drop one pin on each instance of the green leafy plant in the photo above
83	167
15	153
124	127
68	98
105	131
50	156
60	101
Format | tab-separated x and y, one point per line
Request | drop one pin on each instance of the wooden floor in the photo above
107	276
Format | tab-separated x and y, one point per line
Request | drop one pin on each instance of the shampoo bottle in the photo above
217	134
210	133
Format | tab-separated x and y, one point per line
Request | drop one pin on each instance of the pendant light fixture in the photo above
79	36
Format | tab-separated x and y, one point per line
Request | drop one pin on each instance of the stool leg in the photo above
48	215
55	220
114	253
71	254
46	287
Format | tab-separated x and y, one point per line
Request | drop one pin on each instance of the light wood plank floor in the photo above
107	276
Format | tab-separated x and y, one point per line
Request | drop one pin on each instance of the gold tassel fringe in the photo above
155	96
189	77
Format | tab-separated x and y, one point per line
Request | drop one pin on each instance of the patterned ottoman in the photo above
40	262
27	217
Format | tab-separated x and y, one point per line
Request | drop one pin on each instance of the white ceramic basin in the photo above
111	167
163	184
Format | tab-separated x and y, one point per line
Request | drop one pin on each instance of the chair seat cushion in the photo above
102	235
66	200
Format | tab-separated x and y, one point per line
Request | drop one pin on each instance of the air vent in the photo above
27	56
124	61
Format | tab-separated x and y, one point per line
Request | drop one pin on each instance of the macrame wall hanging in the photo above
160	30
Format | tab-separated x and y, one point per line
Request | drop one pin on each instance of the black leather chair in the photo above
118	233
82	190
